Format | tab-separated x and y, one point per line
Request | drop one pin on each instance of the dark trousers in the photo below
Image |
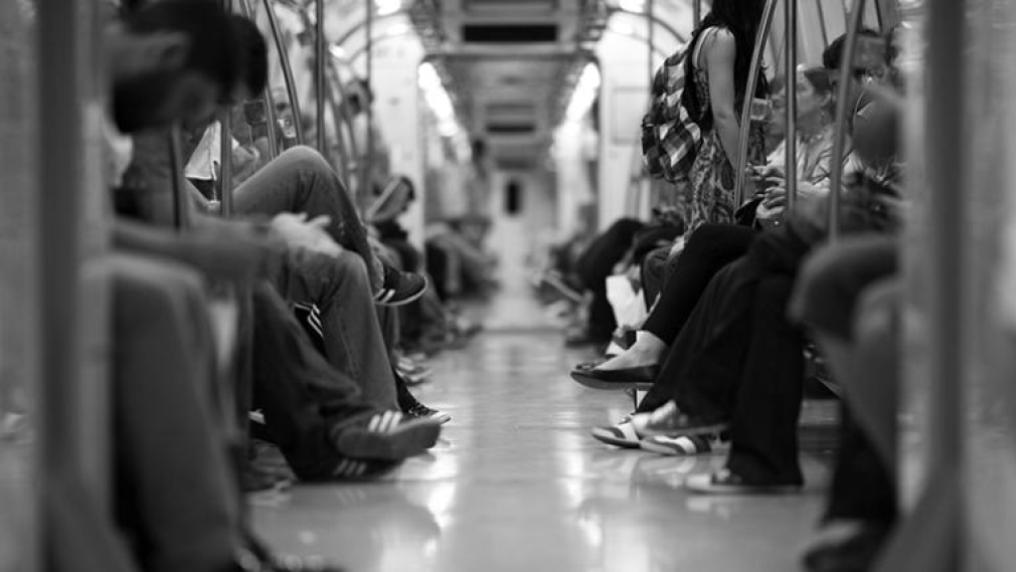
709	248
862	487
175	489
596	264
737	358
305	401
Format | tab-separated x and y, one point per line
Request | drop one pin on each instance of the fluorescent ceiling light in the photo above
586	90
632	5
386	7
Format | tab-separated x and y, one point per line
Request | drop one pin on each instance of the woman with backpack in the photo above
716	74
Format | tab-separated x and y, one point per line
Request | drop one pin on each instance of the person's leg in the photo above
595	265
352	338
652	274
176	487
763	429
709	249
701	368
300	181
301	396
874	395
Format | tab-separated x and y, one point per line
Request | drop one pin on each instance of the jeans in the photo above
300	181
305	401
351	332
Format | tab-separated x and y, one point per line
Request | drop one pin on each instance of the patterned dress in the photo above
712	176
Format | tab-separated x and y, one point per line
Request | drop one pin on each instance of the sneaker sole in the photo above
717	428
408	300
609	439
672	451
410	438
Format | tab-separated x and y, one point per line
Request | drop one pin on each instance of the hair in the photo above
253	53
207	27
832	56
821	81
741	18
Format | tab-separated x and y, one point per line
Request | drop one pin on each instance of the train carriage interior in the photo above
507	285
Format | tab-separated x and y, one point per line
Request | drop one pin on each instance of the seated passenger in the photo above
160	311
310	269
848	298
710	251
712	247
736	365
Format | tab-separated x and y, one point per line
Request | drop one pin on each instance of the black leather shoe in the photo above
638	377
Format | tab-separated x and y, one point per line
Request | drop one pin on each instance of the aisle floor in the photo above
517	484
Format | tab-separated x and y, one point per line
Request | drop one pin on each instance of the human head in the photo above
252	59
170	61
832	56
815	94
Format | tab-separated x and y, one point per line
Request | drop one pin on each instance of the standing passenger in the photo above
716	73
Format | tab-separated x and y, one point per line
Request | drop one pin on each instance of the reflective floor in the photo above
517	484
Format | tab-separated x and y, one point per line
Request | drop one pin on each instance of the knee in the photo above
305	159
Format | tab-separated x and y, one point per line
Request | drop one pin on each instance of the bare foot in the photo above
646	351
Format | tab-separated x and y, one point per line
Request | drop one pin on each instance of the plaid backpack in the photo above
670	135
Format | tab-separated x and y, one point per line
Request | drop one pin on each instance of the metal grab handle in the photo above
790	71
287	70
319	73
846	69
756	65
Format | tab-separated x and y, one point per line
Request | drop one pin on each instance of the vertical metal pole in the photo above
790	25
842	109
181	202
226	149
947	215
364	191
60	204
696	13
651	39
287	70
319	73
756	65
823	26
